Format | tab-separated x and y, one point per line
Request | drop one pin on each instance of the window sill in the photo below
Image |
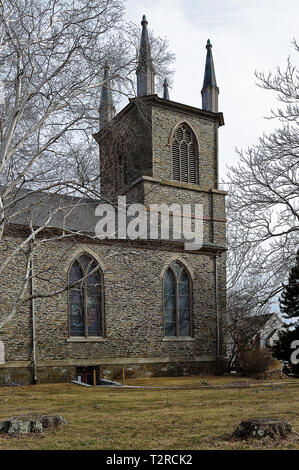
91	339
178	338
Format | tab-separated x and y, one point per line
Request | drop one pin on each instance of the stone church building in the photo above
148	305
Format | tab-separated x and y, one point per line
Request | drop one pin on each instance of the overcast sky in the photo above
246	35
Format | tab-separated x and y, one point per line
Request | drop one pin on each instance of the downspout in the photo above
217	315
33	321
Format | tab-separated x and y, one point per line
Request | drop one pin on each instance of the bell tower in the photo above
158	151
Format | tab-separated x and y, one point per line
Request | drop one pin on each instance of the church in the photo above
149	306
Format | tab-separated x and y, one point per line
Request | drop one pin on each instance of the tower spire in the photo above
107	108
166	93
210	91
145	70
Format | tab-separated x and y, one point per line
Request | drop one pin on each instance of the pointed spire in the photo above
166	93
107	108
210	91
145	70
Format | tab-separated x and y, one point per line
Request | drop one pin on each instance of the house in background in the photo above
264	330
256	332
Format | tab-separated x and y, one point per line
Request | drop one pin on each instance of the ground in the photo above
195	417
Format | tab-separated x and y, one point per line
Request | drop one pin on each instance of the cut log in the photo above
259	428
30	425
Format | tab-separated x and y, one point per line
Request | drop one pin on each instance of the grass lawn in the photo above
198	381
124	418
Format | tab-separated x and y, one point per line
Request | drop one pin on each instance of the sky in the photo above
247	36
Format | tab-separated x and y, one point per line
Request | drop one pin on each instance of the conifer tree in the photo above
285	347
289	300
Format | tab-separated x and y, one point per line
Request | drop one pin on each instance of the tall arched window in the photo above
177	301
184	155
85	298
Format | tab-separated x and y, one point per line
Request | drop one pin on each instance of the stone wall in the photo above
142	133
213	204
163	123
55	373
161	188
126	141
133	308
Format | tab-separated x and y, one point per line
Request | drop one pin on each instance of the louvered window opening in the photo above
184	155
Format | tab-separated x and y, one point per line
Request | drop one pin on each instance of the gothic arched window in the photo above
177	301
184	155
85	298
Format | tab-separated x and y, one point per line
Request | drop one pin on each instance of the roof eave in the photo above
156	100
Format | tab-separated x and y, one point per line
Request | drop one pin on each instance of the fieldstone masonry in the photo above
133	314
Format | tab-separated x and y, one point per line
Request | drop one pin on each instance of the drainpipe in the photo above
33	321
217	315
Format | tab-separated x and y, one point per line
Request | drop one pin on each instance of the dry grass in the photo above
198	381
120	418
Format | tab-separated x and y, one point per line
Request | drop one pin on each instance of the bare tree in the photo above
241	315
52	59
263	206
263	212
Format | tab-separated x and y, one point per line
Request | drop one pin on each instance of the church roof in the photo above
54	210
155	99
173	105
73	214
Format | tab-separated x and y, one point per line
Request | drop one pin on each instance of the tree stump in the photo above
30	425
259	428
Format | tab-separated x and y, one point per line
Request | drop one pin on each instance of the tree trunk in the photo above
30	425
258	428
